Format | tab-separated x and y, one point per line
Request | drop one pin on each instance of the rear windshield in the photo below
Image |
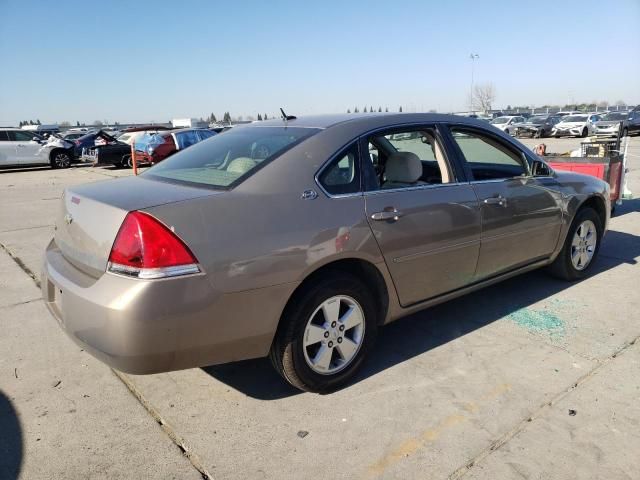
226	159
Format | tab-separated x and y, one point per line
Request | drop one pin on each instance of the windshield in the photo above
538	119
224	159
615	116
499	120
575	118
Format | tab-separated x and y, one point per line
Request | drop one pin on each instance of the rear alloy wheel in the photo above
325	334
580	247
60	159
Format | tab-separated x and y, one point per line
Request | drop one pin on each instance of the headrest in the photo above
403	167
241	165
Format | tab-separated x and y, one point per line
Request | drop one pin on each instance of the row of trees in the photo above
371	109
226	118
29	122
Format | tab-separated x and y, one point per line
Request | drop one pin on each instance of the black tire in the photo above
60	159
287	354
542	134
562	267
585	132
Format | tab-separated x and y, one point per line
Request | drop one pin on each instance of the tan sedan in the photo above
298	238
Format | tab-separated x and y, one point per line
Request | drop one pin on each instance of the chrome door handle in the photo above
499	200
389	213
20	145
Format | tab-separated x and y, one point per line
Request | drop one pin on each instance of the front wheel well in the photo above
53	152
365	271
597	204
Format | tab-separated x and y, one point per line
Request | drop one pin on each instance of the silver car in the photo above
220	253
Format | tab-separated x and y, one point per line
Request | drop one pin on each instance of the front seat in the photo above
403	169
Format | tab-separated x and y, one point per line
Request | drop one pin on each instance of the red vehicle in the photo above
164	144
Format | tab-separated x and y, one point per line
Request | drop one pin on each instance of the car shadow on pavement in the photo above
628	206
11	443
423	331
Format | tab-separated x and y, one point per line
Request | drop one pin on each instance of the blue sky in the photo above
156	60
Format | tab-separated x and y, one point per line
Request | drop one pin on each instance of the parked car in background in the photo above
42	130
564	113
611	123
72	135
118	152
89	140
20	147
212	256
508	123
580	125
537	126
164	144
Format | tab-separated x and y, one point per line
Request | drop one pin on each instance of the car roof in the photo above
365	120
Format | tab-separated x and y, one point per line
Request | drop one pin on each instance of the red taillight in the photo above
146	248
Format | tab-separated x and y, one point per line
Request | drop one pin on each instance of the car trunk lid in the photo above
90	216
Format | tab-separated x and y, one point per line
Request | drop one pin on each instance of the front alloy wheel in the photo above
60	160
580	247
583	246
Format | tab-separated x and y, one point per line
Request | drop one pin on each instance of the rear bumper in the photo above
151	326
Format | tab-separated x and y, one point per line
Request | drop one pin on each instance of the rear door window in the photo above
4	137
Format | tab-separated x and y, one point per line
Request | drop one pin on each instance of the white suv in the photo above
19	147
507	124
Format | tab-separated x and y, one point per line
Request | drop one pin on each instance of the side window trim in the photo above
524	158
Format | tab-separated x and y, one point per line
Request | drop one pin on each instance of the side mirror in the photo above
540	169
35	139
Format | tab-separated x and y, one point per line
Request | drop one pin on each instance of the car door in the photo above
634	122
7	150
28	151
521	218
428	230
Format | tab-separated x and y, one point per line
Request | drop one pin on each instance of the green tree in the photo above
365	109
380	109
386	109
400	109
77	123
348	110
259	117
355	110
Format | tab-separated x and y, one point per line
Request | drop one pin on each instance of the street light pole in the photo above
473	57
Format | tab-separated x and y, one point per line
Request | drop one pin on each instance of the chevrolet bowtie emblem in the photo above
68	218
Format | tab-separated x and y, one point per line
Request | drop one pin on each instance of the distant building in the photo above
188	123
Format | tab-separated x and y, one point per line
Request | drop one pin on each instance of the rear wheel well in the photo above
364	271
597	204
